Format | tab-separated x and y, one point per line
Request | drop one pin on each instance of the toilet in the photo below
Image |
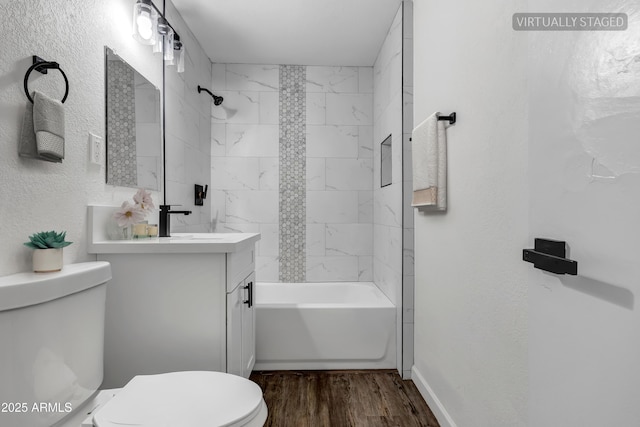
51	364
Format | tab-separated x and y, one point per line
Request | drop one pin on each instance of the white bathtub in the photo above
348	325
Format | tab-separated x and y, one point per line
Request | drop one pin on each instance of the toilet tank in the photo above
51	342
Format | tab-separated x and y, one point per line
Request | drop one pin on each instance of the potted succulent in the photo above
47	256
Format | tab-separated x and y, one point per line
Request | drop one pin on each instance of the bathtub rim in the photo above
381	300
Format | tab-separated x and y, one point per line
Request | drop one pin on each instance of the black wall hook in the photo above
42	66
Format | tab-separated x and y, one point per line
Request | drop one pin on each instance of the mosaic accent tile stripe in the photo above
121	126
292	216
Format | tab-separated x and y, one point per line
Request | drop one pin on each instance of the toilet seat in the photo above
185	399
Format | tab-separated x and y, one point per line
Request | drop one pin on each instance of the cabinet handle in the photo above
249	301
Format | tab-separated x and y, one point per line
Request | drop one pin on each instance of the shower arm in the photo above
217	100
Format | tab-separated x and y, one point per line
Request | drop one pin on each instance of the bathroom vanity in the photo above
178	303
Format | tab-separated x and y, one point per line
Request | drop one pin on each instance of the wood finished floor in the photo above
369	398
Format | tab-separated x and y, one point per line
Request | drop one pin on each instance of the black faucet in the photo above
164	219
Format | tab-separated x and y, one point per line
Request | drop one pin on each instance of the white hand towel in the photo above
429	159
48	124
28	146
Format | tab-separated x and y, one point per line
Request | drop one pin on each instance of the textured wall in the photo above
246	161
470	294
40	196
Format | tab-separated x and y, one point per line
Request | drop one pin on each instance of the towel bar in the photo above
43	66
451	118
549	255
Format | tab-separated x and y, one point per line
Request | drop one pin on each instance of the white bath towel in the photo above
429	159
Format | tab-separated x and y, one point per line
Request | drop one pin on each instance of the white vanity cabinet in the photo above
177	304
241	320
241	327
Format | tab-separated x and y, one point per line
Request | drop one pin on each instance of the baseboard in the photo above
438	409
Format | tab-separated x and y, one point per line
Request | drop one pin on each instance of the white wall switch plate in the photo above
95	149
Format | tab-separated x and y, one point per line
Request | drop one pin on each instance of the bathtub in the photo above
348	325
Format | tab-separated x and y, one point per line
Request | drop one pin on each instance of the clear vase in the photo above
115	232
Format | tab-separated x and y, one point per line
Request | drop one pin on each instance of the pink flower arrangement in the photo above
143	200
129	214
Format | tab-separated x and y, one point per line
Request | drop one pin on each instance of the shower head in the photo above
217	100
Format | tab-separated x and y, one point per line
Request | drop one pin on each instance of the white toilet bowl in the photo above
184	399
52	354
193	398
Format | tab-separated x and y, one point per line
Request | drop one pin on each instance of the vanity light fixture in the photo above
163	30
145	18
178	54
168	46
150	27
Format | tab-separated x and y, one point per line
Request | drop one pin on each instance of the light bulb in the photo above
178	48
145	20
168	46
180	65
145	25
163	29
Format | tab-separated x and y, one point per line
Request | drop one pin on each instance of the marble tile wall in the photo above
339	173
245	166
388	200
408	275
188	131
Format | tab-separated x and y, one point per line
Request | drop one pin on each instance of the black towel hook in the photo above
42	66
451	118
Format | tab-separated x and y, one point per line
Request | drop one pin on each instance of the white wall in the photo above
35	195
470	289
584	172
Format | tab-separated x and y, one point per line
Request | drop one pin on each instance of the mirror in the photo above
133	126
385	162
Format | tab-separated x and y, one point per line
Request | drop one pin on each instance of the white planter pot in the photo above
47	260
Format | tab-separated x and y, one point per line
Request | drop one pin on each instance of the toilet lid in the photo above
182	399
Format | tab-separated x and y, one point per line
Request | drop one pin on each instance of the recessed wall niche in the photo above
385	162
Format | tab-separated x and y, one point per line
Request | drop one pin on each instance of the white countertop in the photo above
186	243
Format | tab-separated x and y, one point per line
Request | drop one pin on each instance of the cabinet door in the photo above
234	330
249	325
